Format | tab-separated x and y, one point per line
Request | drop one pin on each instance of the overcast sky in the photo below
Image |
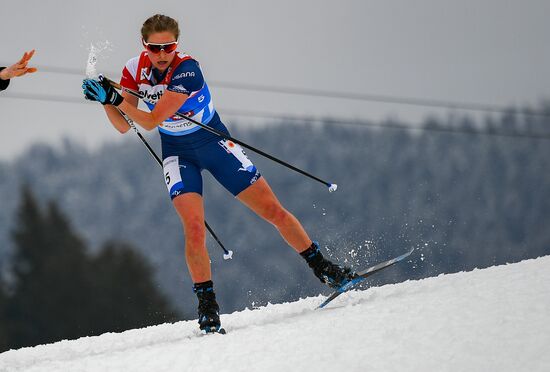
485	51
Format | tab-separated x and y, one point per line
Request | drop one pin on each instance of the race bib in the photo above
172	176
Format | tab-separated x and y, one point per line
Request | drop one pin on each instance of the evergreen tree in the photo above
3	321
60	292
123	299
52	278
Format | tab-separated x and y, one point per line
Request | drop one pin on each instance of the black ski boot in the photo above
329	273
209	318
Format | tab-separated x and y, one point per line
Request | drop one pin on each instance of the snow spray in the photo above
96	51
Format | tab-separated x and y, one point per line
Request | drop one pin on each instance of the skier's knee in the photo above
276	214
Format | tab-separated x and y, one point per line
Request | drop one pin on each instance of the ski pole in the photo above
331	186
227	254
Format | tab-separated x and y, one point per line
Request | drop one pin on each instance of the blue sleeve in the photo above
187	78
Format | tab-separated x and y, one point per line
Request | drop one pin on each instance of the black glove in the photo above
101	91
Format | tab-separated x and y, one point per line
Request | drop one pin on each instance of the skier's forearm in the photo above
164	108
147	120
116	119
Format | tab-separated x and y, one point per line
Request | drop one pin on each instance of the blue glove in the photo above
101	91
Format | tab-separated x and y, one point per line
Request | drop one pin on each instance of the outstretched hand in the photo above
20	68
101	91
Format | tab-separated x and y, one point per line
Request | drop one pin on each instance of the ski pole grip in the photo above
113	84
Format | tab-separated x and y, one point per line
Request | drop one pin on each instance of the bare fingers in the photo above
26	57
21	66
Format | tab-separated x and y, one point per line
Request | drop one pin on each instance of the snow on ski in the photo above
362	275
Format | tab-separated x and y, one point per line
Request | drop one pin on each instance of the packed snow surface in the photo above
496	319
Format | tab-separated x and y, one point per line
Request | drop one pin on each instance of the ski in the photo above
362	275
213	331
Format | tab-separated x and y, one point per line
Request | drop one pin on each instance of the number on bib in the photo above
172	175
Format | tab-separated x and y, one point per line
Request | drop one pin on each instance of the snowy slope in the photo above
496	319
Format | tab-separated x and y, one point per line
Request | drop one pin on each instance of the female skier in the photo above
170	82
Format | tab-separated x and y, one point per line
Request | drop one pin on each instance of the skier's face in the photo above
162	59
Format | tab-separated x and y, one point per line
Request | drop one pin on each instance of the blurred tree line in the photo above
466	193
59	291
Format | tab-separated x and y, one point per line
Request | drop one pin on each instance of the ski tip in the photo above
405	255
332	187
